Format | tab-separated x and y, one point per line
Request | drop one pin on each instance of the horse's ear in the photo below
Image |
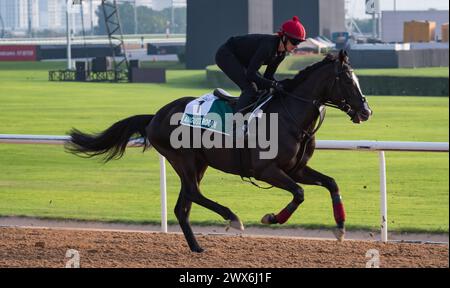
343	56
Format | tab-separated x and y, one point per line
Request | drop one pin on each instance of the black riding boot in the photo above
247	97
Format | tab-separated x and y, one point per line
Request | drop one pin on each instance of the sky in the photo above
358	6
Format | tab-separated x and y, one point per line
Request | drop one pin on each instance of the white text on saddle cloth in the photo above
259	135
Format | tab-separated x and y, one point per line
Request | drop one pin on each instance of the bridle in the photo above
320	106
343	105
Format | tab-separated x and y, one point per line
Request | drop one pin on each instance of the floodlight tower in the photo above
120	71
30	17
69	35
350	24
91	16
172	20
135	18
373	9
2	27
115	36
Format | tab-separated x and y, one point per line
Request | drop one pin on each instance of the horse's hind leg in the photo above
195	196
182	211
312	177
191	173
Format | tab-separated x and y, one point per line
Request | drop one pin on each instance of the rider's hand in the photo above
277	86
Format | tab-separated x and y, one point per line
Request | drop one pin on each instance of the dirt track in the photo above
21	247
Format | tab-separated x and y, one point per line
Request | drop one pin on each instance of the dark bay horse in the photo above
330	82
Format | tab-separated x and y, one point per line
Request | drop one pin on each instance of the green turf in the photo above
407	72
44	181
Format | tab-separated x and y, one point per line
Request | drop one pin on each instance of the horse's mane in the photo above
304	74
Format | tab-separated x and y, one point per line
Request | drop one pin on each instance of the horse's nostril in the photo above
364	114
367	112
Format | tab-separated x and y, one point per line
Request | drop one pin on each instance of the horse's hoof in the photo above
339	233
197	249
269	219
236	224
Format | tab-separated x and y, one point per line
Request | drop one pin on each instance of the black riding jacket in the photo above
255	50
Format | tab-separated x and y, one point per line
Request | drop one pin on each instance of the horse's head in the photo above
345	91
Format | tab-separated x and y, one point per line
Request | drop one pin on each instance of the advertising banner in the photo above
18	53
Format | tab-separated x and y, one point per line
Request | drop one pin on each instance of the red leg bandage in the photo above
286	213
283	216
339	212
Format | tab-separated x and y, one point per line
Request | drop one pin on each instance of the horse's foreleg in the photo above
278	178
312	177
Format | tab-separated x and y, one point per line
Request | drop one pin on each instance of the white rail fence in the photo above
375	146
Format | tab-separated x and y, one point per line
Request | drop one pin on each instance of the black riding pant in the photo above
231	66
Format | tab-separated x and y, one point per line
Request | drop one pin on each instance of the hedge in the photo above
370	84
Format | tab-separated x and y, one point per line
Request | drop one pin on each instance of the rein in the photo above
309	136
320	107
322	113
343	106
321	110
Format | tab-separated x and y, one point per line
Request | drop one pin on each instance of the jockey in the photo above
241	57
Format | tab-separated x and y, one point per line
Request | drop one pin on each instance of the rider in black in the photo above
241	57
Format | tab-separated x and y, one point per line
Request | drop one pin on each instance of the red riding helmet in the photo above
294	30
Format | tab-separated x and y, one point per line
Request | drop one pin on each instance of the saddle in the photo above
246	171
232	100
224	95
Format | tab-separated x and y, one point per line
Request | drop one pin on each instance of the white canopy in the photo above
313	44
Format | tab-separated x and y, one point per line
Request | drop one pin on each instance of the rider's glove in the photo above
277	86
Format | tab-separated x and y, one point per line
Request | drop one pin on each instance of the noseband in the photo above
343	105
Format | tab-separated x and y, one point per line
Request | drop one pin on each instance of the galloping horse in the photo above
330	82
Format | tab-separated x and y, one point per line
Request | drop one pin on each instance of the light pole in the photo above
69	36
30	15
135	18
379	24
374	26
2	26
172	21
91	17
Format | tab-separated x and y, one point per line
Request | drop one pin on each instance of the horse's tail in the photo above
112	142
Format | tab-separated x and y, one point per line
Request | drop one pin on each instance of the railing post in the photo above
383	197
163	187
